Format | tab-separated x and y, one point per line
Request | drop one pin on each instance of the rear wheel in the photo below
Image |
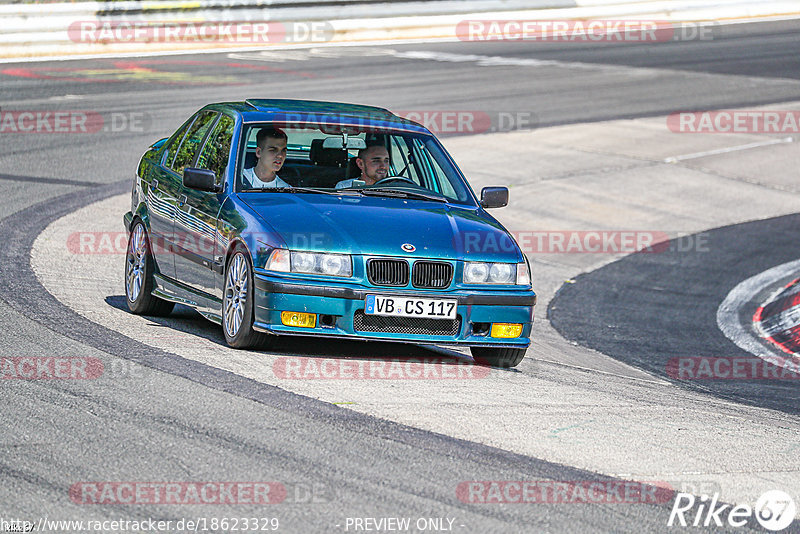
139	269
237	304
498	357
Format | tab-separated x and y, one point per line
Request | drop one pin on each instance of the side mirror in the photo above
494	197
200	179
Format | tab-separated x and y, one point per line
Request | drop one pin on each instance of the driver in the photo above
271	153
374	164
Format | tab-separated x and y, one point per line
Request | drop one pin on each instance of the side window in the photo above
176	142
443	185
399	153
191	143
450	185
422	166
217	150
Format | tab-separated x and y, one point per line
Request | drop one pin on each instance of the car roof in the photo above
315	111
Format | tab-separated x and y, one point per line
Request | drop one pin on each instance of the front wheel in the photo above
237	304
139	269
497	357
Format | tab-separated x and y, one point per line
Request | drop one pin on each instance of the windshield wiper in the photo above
295	190
401	193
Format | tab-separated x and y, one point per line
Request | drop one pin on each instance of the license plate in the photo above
410	307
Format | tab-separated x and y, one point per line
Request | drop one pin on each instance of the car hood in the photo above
381	226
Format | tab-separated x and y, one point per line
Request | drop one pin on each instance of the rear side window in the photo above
217	150
192	141
176	142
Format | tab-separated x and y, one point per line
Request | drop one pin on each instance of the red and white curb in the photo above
778	319
744	332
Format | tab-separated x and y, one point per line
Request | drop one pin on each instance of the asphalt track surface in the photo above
180	420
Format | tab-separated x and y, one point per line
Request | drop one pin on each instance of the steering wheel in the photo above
390	179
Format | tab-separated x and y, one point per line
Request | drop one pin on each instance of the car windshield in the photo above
352	160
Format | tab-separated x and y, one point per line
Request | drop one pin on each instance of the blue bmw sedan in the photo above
290	217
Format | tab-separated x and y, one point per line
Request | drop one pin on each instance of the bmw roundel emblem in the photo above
408	247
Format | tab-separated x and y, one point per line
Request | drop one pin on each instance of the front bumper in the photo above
341	303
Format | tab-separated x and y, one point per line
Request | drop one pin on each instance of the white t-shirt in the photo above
347	183
249	175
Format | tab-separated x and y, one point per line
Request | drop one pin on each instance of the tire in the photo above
237	303
139	269
497	357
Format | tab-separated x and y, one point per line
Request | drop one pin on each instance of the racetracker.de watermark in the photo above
733	368
581	242
298	368
179	243
73	122
735	121
471	121
558	492
529	241
258	493
175	31
50	368
68	368
583	31
438	121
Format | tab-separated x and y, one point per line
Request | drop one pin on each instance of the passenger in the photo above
374	164
271	153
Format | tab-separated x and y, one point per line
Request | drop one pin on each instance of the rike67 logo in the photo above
774	511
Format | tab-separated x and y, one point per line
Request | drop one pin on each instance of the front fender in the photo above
141	213
239	225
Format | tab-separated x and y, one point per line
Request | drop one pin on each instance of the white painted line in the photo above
297	46
376	42
676	159
499	61
241	53
728	311
425	55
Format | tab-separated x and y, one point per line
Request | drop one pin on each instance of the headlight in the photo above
476	273
334	264
303	262
503	273
496	273
309	262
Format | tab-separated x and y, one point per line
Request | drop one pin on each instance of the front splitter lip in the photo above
523	343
